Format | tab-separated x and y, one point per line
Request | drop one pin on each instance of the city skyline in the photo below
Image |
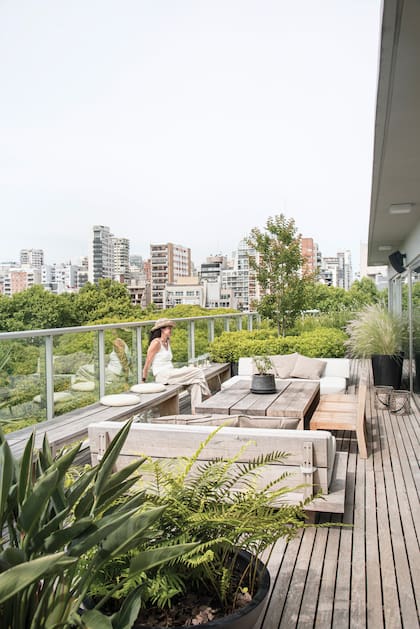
190	122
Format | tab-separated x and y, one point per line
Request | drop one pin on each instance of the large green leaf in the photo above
60	539
21	576
121	539
111	454
100	530
6	469
126	616
48	528
79	486
148	559
26	470
33	507
94	619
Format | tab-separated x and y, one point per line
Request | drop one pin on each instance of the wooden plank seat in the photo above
312	457
344	412
73	426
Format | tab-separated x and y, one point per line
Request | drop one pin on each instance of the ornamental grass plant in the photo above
375	330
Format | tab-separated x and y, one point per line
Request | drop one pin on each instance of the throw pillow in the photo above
308	368
148	387
283	364
120	399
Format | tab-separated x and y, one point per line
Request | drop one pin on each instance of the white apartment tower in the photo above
240	281
121	259
32	257
169	262
100	254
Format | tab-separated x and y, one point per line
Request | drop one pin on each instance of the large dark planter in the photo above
387	369
246	617
263	383
234	368
417	374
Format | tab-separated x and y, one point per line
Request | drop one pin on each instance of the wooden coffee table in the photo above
294	399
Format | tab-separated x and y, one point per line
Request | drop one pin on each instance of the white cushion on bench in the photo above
332	384
148	387
88	385
120	399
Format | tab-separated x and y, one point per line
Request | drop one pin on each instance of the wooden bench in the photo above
344	412
312	458
73	426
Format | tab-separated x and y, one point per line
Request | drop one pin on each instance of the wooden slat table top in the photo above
292	400
366	574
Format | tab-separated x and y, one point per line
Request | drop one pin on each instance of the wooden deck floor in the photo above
367	574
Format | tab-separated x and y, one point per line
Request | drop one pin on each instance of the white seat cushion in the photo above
120	399
332	384
83	386
148	387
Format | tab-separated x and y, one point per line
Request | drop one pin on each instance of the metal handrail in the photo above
138	327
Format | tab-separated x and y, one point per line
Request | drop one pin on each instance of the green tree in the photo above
107	299
277	266
34	309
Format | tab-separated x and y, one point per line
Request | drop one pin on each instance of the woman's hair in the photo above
155	334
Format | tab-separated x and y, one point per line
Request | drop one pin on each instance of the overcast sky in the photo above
185	121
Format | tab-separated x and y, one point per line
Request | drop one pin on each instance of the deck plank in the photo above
366	574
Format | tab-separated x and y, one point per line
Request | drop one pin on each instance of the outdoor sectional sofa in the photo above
333	373
312	459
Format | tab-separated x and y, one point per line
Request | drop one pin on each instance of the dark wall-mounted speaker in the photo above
396	260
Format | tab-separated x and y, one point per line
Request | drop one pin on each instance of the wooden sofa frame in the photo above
307	458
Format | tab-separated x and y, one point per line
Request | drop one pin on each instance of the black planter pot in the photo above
417	374
387	369
263	383
246	617
234	368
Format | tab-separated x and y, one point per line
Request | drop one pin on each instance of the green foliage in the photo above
59	535
375	330
262	364
219	505
321	342
278	271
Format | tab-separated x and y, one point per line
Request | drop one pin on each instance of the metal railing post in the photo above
101	362
191	341
49	376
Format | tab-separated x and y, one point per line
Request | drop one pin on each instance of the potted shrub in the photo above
263	381
378	334
218	505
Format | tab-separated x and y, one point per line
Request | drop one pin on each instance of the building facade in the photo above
168	263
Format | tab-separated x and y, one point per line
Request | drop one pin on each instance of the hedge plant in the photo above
322	342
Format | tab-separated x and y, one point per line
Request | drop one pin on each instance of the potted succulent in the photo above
378	334
263	381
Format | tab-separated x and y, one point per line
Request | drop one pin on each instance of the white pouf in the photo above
148	387
120	399
83	386
59	396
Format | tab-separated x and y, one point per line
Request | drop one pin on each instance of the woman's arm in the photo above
154	347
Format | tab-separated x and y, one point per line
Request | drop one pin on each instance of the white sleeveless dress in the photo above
193	377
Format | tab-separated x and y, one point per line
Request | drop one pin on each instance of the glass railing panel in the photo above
22	383
75	371
120	360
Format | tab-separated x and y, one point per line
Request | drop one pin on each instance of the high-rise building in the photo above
240	281
121	259
100	254
337	270
32	257
311	253
18	280
168	263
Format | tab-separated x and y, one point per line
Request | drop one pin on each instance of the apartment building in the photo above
240	281
32	257
168	263
311	253
120	259
20	279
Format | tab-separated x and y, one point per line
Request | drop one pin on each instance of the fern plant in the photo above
220	506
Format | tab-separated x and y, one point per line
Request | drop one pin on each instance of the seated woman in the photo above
159	359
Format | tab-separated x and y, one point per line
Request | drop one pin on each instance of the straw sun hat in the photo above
163	323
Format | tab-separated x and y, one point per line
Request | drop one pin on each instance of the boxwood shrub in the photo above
322	342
